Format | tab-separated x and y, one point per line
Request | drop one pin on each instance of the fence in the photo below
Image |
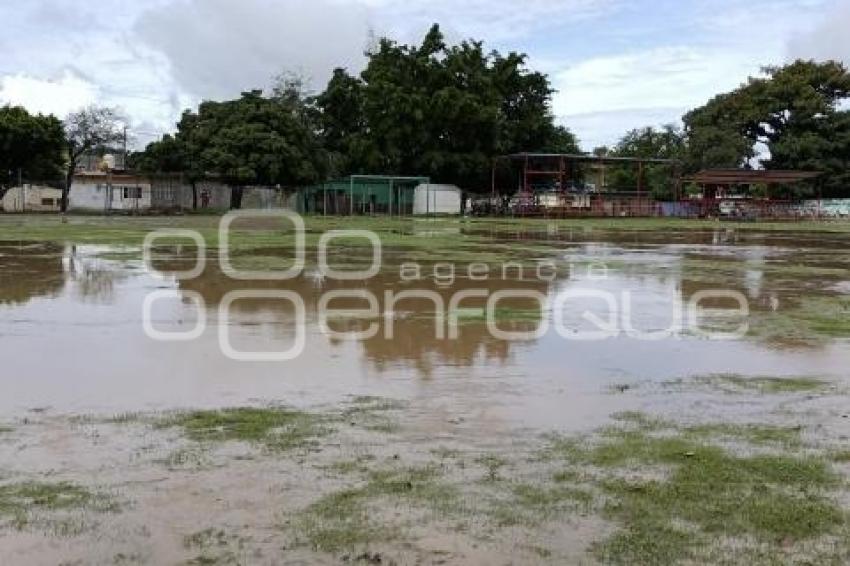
171	194
740	209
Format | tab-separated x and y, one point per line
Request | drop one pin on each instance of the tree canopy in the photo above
31	145
668	142
438	110
90	128
788	119
445	111
253	139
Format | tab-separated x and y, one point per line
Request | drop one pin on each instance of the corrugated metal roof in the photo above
750	176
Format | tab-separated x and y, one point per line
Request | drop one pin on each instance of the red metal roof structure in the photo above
750	177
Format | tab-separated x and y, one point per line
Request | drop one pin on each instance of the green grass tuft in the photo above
349	520
733	383
275	428
22	502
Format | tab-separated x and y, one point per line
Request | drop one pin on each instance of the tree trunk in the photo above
194	195
66	190
235	198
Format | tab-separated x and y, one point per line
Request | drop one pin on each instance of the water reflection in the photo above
407	325
30	270
652	279
83	305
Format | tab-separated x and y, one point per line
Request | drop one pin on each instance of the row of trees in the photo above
445	111
791	118
432	110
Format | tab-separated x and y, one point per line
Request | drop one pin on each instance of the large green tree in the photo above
173	155
254	139
343	124
790	118
438	110
31	146
668	142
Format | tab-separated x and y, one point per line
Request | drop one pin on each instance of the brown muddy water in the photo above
84	387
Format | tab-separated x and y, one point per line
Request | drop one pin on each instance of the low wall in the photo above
807	209
169	194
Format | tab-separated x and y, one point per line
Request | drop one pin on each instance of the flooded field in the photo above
493	392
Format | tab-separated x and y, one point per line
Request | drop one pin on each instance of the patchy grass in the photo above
645	543
814	321
826	316
372	413
350	519
338	521
187	458
23	503
492	464
506	314
530	503
216	546
736	383
675	492
840	456
273	427
125	418
463	240
359	464
365	403
752	433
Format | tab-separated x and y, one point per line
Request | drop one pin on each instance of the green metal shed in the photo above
360	194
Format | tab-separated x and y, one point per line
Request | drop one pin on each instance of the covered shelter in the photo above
567	184
732	192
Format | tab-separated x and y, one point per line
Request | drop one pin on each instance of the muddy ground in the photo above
411	448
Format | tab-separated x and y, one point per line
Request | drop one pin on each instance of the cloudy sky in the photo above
617	64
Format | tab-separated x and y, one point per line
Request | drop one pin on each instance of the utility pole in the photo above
124	150
23	191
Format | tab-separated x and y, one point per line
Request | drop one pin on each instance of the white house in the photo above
436	199
31	198
96	191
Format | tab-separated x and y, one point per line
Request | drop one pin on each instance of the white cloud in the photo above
493	20
602	98
605	128
666	77
218	48
61	56
58	97
829	39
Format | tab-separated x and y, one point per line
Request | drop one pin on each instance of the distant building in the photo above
101	161
31	198
104	192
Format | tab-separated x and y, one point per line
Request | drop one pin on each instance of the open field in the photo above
408	448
